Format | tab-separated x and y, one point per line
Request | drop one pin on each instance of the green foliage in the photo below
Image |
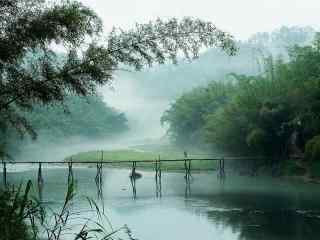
312	149
83	117
15	209
90	60
23	217
274	113
169	81
187	115
255	139
11	227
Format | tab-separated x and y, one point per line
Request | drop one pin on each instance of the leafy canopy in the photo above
33	28
274	113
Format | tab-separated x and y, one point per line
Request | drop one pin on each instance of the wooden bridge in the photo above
187	168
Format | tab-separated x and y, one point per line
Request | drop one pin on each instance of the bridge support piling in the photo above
221	171
4	173
40	178
186	176
156	170
187	167
158	177
159	165
133	170
40	181
70	173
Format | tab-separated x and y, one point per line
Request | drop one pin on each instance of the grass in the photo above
134	155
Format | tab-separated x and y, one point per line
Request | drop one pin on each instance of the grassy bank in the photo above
134	155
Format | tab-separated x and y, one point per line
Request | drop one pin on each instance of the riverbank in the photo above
123	158
301	170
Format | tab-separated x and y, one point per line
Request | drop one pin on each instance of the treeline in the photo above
275	113
83	116
87	117
170	81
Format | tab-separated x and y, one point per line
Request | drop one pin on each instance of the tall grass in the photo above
24	217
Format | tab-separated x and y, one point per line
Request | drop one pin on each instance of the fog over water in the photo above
143	112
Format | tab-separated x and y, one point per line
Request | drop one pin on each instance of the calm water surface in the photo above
249	208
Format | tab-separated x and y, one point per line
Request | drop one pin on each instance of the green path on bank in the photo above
135	155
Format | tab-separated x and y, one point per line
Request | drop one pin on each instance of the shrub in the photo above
256	139
312	149
12	224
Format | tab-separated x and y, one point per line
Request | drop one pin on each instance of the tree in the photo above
275	113
186	117
31	70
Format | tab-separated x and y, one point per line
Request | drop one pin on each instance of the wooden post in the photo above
40	178
159	167
70	173
220	167
187	166
133	169
186	169
223	172
158	177
4	173
40	182
156	170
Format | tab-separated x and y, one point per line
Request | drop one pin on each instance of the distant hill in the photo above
170	81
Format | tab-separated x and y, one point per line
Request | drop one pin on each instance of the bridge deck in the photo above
137	161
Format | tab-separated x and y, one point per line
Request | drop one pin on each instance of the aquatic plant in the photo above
25	217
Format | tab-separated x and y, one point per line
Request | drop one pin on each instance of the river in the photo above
249	208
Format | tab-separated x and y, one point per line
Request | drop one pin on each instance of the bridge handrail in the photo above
137	161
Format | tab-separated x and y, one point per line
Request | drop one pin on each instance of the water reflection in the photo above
40	183
158	179
158	186
133	185
99	181
248	208
266	225
70	174
188	180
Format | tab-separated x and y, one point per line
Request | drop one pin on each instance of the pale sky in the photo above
241	18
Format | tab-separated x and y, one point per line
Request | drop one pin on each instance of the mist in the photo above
144	96
142	111
199	119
